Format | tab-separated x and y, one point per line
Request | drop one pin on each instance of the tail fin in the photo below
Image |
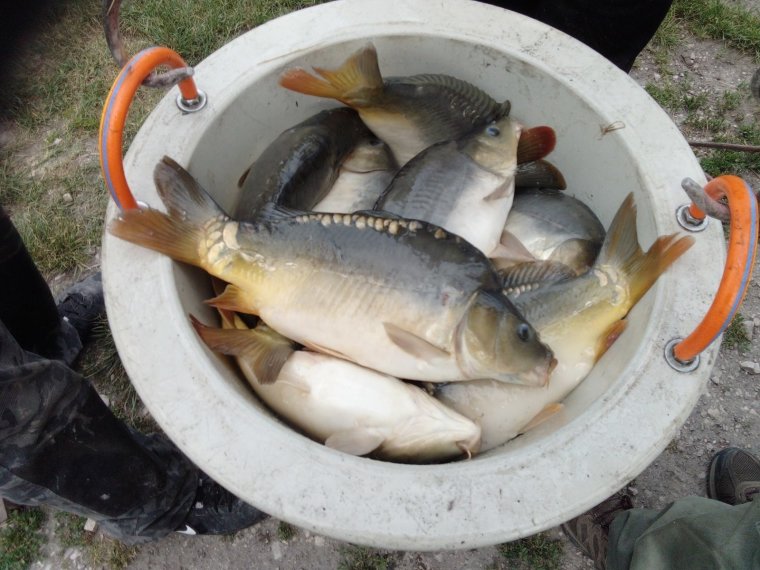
182	195
358	73
264	350
178	233
155	230
621	249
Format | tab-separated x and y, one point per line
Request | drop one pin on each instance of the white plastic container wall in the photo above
619	419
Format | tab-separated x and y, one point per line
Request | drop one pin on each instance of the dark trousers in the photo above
617	29
60	445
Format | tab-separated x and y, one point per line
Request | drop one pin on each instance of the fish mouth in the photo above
539	376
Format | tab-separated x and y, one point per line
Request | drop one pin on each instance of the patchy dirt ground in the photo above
727	413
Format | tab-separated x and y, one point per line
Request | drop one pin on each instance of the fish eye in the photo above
493	131
523	332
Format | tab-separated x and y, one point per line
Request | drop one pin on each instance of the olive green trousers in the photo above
692	533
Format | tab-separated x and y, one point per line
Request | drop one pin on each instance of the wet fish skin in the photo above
408	287
344	405
464	186
577	318
408	113
539	174
362	178
555	226
300	166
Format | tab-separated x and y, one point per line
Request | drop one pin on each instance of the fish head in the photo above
369	155
435	433
494	146
495	341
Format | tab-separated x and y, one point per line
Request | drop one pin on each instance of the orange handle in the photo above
115	111
742	247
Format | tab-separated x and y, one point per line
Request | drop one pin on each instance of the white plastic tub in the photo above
613	425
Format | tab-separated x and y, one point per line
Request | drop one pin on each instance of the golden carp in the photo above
408	113
403	297
579	318
341	404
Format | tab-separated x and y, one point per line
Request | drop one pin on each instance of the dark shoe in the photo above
734	476
217	511
82	304
590	531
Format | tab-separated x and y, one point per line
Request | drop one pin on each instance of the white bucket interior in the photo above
612	140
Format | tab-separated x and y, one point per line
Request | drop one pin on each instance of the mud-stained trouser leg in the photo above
693	532
61	446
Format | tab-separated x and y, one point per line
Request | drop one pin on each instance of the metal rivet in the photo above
678	365
689	222
192	105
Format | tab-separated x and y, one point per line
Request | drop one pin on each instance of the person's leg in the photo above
26	305
61	446
690	533
617	29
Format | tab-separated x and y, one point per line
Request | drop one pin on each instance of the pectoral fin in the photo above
503	191
265	350
509	252
357	441
233	299
609	337
414	345
324	350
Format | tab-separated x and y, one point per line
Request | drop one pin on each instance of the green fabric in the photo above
692	533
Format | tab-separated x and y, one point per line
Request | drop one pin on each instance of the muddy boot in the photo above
734	476
82	304
217	511
590	531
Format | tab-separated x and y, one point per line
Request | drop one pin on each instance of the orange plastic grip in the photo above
110	137
740	261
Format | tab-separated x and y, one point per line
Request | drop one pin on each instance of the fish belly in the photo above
325	396
346	317
502	410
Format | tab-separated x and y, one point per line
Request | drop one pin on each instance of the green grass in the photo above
734	162
668	95
735	336
734	25
665	40
363	558
20	539
100	551
539	552
195	28
285	531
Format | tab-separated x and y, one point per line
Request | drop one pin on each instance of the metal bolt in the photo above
192	105
678	365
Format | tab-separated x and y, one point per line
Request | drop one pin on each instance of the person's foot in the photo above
217	511
734	476
590	531
82	304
